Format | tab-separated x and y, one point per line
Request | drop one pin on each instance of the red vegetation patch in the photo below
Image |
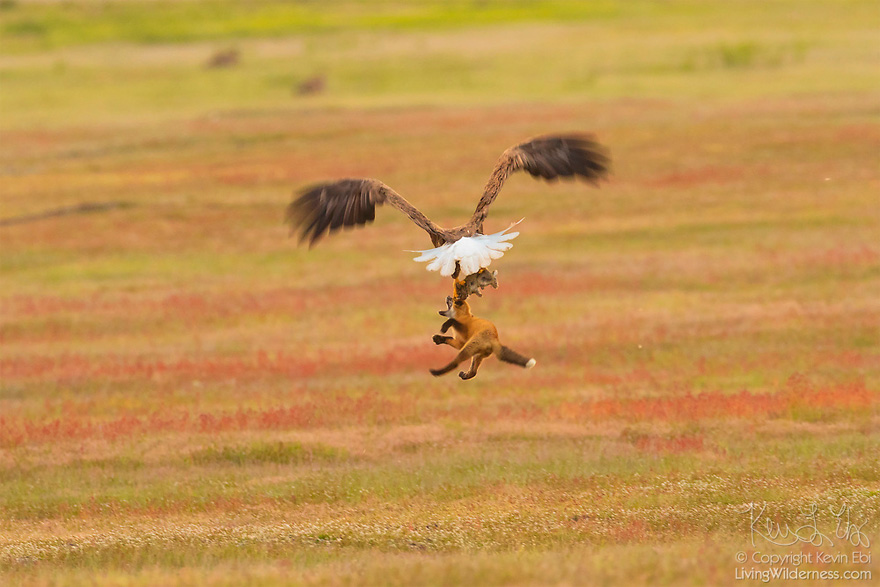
334	410
69	368
358	359
797	397
26	318
172	305
631	531
328	411
845	256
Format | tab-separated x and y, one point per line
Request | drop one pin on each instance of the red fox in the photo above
475	338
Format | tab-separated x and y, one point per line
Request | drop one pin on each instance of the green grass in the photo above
30	25
58	25
122	61
278	453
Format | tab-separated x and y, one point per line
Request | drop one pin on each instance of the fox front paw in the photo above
440	339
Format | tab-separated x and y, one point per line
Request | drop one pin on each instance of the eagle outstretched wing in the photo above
549	157
326	207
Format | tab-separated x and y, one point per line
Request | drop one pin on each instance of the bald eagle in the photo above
464	250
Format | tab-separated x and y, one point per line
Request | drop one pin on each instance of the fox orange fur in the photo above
475	338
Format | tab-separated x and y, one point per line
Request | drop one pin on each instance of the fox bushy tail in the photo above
509	355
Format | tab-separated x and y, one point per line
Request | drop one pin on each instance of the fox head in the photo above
456	309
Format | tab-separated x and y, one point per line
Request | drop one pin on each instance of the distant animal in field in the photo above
463	250
475	339
313	85
224	58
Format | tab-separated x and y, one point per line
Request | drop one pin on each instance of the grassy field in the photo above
188	398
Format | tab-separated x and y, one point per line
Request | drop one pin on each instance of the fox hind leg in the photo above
470	349
462	356
475	365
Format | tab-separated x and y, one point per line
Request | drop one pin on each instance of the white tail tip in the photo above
531	363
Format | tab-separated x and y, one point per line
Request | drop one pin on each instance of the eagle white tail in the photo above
471	252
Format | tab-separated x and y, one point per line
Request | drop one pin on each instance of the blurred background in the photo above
183	387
